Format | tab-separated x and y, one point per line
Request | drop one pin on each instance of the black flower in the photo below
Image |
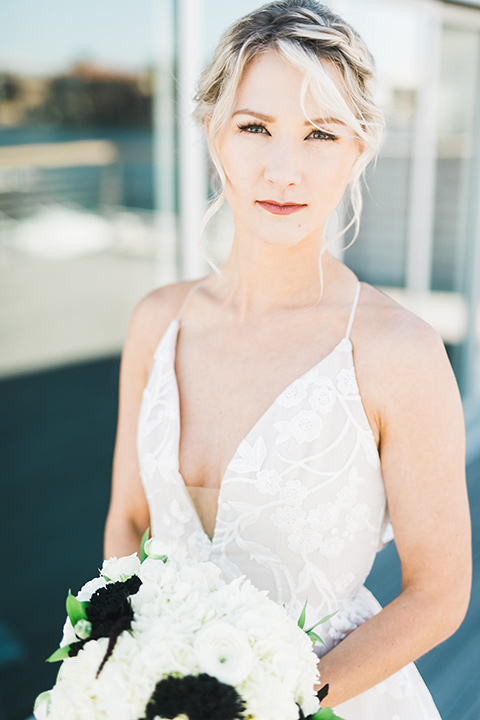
199	697
110	613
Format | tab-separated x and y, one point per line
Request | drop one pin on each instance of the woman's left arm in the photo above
422	449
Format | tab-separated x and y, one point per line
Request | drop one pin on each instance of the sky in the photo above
44	37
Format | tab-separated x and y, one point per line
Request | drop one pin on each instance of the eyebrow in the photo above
269	118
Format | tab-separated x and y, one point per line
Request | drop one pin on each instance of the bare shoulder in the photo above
396	334
400	359
152	315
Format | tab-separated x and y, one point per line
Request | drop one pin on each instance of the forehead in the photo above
272	79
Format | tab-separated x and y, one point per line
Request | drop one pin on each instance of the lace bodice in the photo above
301	507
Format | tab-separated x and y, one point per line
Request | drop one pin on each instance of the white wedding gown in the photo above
301	508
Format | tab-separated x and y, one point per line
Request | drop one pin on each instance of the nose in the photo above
282	166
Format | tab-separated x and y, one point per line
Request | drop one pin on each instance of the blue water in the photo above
133	173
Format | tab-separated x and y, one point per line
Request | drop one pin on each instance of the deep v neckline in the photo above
344	343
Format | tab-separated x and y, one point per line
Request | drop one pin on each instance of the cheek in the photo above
241	163
332	176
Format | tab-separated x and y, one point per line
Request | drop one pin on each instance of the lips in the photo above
280	208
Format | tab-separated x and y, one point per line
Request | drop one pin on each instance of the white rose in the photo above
120	569
224	652
42	704
157	548
90	588
68	634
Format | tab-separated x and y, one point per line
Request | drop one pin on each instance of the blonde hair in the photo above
304	32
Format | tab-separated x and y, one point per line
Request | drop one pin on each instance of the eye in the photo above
254	129
322	135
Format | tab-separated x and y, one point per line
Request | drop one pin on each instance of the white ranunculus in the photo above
224	652
120	569
157	548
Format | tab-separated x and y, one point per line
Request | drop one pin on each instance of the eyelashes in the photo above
260	129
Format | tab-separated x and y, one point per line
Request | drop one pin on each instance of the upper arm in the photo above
128	501
422	448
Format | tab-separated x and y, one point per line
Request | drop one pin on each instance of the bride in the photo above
277	414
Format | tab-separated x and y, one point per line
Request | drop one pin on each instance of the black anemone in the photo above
110	613
199	697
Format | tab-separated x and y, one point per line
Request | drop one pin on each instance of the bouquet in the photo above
152	638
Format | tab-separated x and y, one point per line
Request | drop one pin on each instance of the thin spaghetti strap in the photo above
352	313
187	298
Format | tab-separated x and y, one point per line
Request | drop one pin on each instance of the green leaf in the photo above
59	654
323	620
75	609
314	637
303	614
325	714
143	554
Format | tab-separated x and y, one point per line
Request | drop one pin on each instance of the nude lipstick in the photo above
280	208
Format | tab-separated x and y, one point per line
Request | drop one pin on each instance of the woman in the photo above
243	388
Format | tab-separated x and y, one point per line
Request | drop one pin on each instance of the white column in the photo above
423	168
165	269
192	168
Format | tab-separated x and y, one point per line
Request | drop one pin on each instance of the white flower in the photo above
293	394
224	652
90	588
324	517
322	398
305	426
293	492
357	518
157	548
289	519
331	547
268	482
346	382
304	541
42	704
120	569
347	497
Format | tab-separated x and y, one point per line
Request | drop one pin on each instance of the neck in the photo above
259	279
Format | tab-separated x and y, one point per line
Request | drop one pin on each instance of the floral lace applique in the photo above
268	482
322	398
294	394
304	427
346	382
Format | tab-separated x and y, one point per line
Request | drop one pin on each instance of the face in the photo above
284	176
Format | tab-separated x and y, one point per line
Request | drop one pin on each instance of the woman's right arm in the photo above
128	514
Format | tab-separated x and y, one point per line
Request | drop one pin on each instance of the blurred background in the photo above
103	182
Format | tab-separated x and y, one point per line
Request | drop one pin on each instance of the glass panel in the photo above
77	193
452	247
394	33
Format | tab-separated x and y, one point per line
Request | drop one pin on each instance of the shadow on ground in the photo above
57	431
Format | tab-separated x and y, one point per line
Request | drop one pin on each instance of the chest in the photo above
228	381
